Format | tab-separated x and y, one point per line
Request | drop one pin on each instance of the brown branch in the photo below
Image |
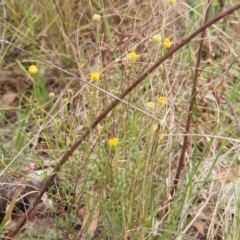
21	221
190	110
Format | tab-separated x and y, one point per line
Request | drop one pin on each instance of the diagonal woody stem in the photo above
190	110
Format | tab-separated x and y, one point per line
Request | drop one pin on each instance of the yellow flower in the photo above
32	69
113	142
96	18
155	127
99	127
171	1
167	43
150	105
69	90
95	76
51	94
65	99
162	100
157	38
133	56
161	138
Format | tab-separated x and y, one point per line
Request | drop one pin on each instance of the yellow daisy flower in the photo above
162	100
113	142
133	56
161	138
32	69
167	43
95	76
99	127
150	105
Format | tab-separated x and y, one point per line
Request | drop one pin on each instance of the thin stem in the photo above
190	110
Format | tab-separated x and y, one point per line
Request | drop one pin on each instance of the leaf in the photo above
8	98
199	225
91	214
8	216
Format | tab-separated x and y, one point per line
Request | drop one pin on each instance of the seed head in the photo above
157	38
96	18
51	94
66	100
150	105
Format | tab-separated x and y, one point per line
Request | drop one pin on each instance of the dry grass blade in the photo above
91	214
7	218
193	98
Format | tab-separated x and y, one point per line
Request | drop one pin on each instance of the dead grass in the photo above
121	192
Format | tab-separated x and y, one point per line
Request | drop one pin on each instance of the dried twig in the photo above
190	110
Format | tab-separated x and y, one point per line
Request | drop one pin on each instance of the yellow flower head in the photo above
161	138
32	69
157	38
96	18
113	142
150	105
65	99
95	76
69	90
162	100
167	43
99	128
51	94
171	1
154	128
133	56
